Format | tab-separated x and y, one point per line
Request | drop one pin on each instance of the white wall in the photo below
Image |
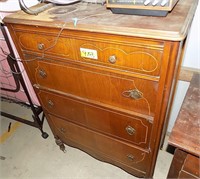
192	51
181	90
191	59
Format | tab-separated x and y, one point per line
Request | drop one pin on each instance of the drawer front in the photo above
45	44
101	144
127	128
191	166
133	94
139	58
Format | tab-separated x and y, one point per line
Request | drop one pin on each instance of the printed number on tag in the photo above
88	53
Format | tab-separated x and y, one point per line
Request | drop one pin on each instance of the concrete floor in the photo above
26	155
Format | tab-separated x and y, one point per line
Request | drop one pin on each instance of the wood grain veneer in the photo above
115	111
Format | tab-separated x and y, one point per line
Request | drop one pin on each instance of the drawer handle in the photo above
130	130
130	157
50	103
42	73
112	59
40	46
134	94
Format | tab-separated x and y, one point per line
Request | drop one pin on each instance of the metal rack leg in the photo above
37	122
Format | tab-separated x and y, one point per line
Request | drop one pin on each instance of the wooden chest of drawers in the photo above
104	84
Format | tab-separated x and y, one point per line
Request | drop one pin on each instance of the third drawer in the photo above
135	130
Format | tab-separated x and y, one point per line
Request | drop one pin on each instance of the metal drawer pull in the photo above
112	59
42	73
40	46
130	157
50	103
134	94
130	130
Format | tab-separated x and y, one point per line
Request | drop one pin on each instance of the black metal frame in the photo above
38	115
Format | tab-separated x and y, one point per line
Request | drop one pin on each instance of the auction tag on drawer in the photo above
88	53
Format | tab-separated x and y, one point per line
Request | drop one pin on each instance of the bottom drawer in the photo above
119	153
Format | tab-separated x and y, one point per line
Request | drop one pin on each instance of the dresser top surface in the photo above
186	131
96	18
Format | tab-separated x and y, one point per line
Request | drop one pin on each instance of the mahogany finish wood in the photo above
186	131
112	106
185	135
184	165
99	119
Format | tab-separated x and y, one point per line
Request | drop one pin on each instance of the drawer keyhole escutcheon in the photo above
134	94
112	59
40	46
50	103
130	130
130	157
42	73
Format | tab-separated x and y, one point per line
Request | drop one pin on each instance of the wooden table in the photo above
186	135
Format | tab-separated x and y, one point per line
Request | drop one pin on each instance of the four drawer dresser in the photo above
105	81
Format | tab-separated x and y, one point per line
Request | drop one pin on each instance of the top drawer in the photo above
116	52
45	44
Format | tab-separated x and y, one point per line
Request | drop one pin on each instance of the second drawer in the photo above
128	93
129	128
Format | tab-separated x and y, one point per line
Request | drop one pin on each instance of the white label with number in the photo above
88	53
